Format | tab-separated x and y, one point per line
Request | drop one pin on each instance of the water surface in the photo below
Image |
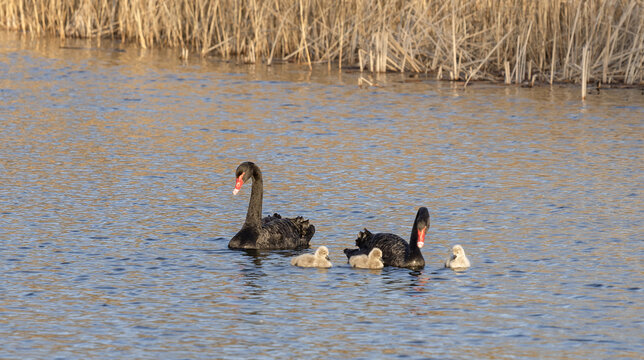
117	167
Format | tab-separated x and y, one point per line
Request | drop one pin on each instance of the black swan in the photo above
319	259
273	231
371	261
396	251
458	259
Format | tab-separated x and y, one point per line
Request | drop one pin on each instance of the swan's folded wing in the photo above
284	233
270	218
394	248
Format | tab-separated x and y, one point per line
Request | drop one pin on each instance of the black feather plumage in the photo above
395	250
270	232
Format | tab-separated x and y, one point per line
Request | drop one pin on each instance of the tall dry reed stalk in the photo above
514	41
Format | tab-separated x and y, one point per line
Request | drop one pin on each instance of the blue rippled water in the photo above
117	166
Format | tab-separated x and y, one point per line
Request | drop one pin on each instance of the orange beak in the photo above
238	184
421	237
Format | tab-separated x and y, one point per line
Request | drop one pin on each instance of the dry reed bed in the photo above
517	41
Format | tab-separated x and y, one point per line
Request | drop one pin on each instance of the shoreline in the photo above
515	41
364	78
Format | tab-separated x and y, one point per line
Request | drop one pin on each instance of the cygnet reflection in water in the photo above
319	259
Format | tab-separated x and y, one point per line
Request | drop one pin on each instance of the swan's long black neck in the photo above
254	214
414	250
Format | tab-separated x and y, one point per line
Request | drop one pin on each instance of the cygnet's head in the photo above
375	253
457	260
322	252
458	251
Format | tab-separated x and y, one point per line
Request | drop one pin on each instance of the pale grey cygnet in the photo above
372	261
458	259
319	259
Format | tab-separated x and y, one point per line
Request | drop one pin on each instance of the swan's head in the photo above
422	225
242	174
322	252
457	251
375	253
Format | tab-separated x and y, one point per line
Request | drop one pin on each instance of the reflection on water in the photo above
118	165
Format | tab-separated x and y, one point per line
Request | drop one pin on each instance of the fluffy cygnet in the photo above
319	259
458	260
373	261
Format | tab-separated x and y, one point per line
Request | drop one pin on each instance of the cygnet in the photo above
319	259
457	260
373	261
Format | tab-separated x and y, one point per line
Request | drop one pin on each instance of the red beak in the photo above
421	237
238	184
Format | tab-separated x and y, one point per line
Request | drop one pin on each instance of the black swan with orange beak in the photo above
272	232
396	251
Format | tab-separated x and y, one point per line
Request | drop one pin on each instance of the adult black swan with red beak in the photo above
271	232
396	251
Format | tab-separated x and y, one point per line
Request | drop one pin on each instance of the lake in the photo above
118	164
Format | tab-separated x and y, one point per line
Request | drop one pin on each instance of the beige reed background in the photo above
516	41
